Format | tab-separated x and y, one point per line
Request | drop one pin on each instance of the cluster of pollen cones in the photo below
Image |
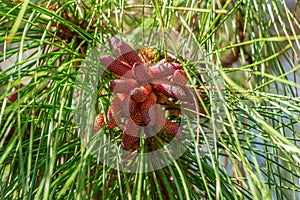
144	92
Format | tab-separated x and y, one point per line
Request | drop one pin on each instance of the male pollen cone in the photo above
179	77
145	108
147	55
130	134
135	113
114	113
158	118
141	93
170	89
122	85
129	106
115	66
140	72
161	69
124	50
99	122
172	129
111	122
